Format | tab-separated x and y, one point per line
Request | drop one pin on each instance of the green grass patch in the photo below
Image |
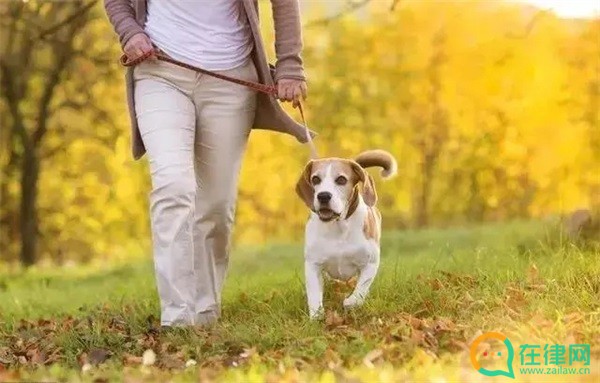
435	291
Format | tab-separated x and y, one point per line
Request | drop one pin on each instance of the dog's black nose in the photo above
324	197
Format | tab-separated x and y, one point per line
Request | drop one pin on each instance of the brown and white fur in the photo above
344	229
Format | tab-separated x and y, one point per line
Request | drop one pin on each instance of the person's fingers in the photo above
296	97
289	93
138	46
133	52
294	91
146	45
129	50
285	94
280	91
148	49
138	52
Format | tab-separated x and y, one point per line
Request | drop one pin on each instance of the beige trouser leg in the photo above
195	128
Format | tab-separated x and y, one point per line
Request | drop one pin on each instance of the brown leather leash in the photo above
263	88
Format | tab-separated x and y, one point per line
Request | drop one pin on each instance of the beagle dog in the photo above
344	229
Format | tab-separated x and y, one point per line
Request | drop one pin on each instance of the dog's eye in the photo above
341	180
315	180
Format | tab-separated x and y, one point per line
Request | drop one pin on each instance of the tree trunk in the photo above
29	220
424	198
423	203
434	133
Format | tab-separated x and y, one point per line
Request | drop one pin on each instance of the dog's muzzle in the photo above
325	213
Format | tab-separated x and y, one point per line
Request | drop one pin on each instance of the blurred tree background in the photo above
491	108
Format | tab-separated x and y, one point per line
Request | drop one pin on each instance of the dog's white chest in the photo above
341	249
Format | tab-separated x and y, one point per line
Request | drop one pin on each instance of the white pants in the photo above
195	128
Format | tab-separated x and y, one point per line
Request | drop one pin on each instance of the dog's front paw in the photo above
353	301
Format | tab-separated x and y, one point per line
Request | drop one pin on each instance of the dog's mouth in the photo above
326	214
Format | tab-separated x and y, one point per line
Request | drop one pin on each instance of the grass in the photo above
435	291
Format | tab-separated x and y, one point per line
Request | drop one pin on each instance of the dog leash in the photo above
263	88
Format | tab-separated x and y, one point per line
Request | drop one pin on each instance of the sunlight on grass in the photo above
436	290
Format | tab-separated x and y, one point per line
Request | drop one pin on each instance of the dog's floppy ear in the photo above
304	187
368	192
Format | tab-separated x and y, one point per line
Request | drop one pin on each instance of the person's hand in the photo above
291	90
138	45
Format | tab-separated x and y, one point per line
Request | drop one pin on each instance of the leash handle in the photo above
267	89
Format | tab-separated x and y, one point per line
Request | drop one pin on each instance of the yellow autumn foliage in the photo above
491	116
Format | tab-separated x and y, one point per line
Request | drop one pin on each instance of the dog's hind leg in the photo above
363	284
314	288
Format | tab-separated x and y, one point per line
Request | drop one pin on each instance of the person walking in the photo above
194	129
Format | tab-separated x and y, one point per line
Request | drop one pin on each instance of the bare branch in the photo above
350	7
530	25
77	13
49	153
100	60
44	102
64	54
12	29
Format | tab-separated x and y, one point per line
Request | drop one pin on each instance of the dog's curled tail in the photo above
381	158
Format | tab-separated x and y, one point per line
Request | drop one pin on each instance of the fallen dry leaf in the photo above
333	319
129	359
98	356
36	356
147	340
459	279
415	323
456	345
371	357
443	326
532	274
436	284
574	317
417	336
172	361
332	358
515	298
430	341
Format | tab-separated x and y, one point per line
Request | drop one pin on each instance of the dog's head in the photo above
331	187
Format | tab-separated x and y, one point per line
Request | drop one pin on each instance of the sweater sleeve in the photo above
288	40
122	17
